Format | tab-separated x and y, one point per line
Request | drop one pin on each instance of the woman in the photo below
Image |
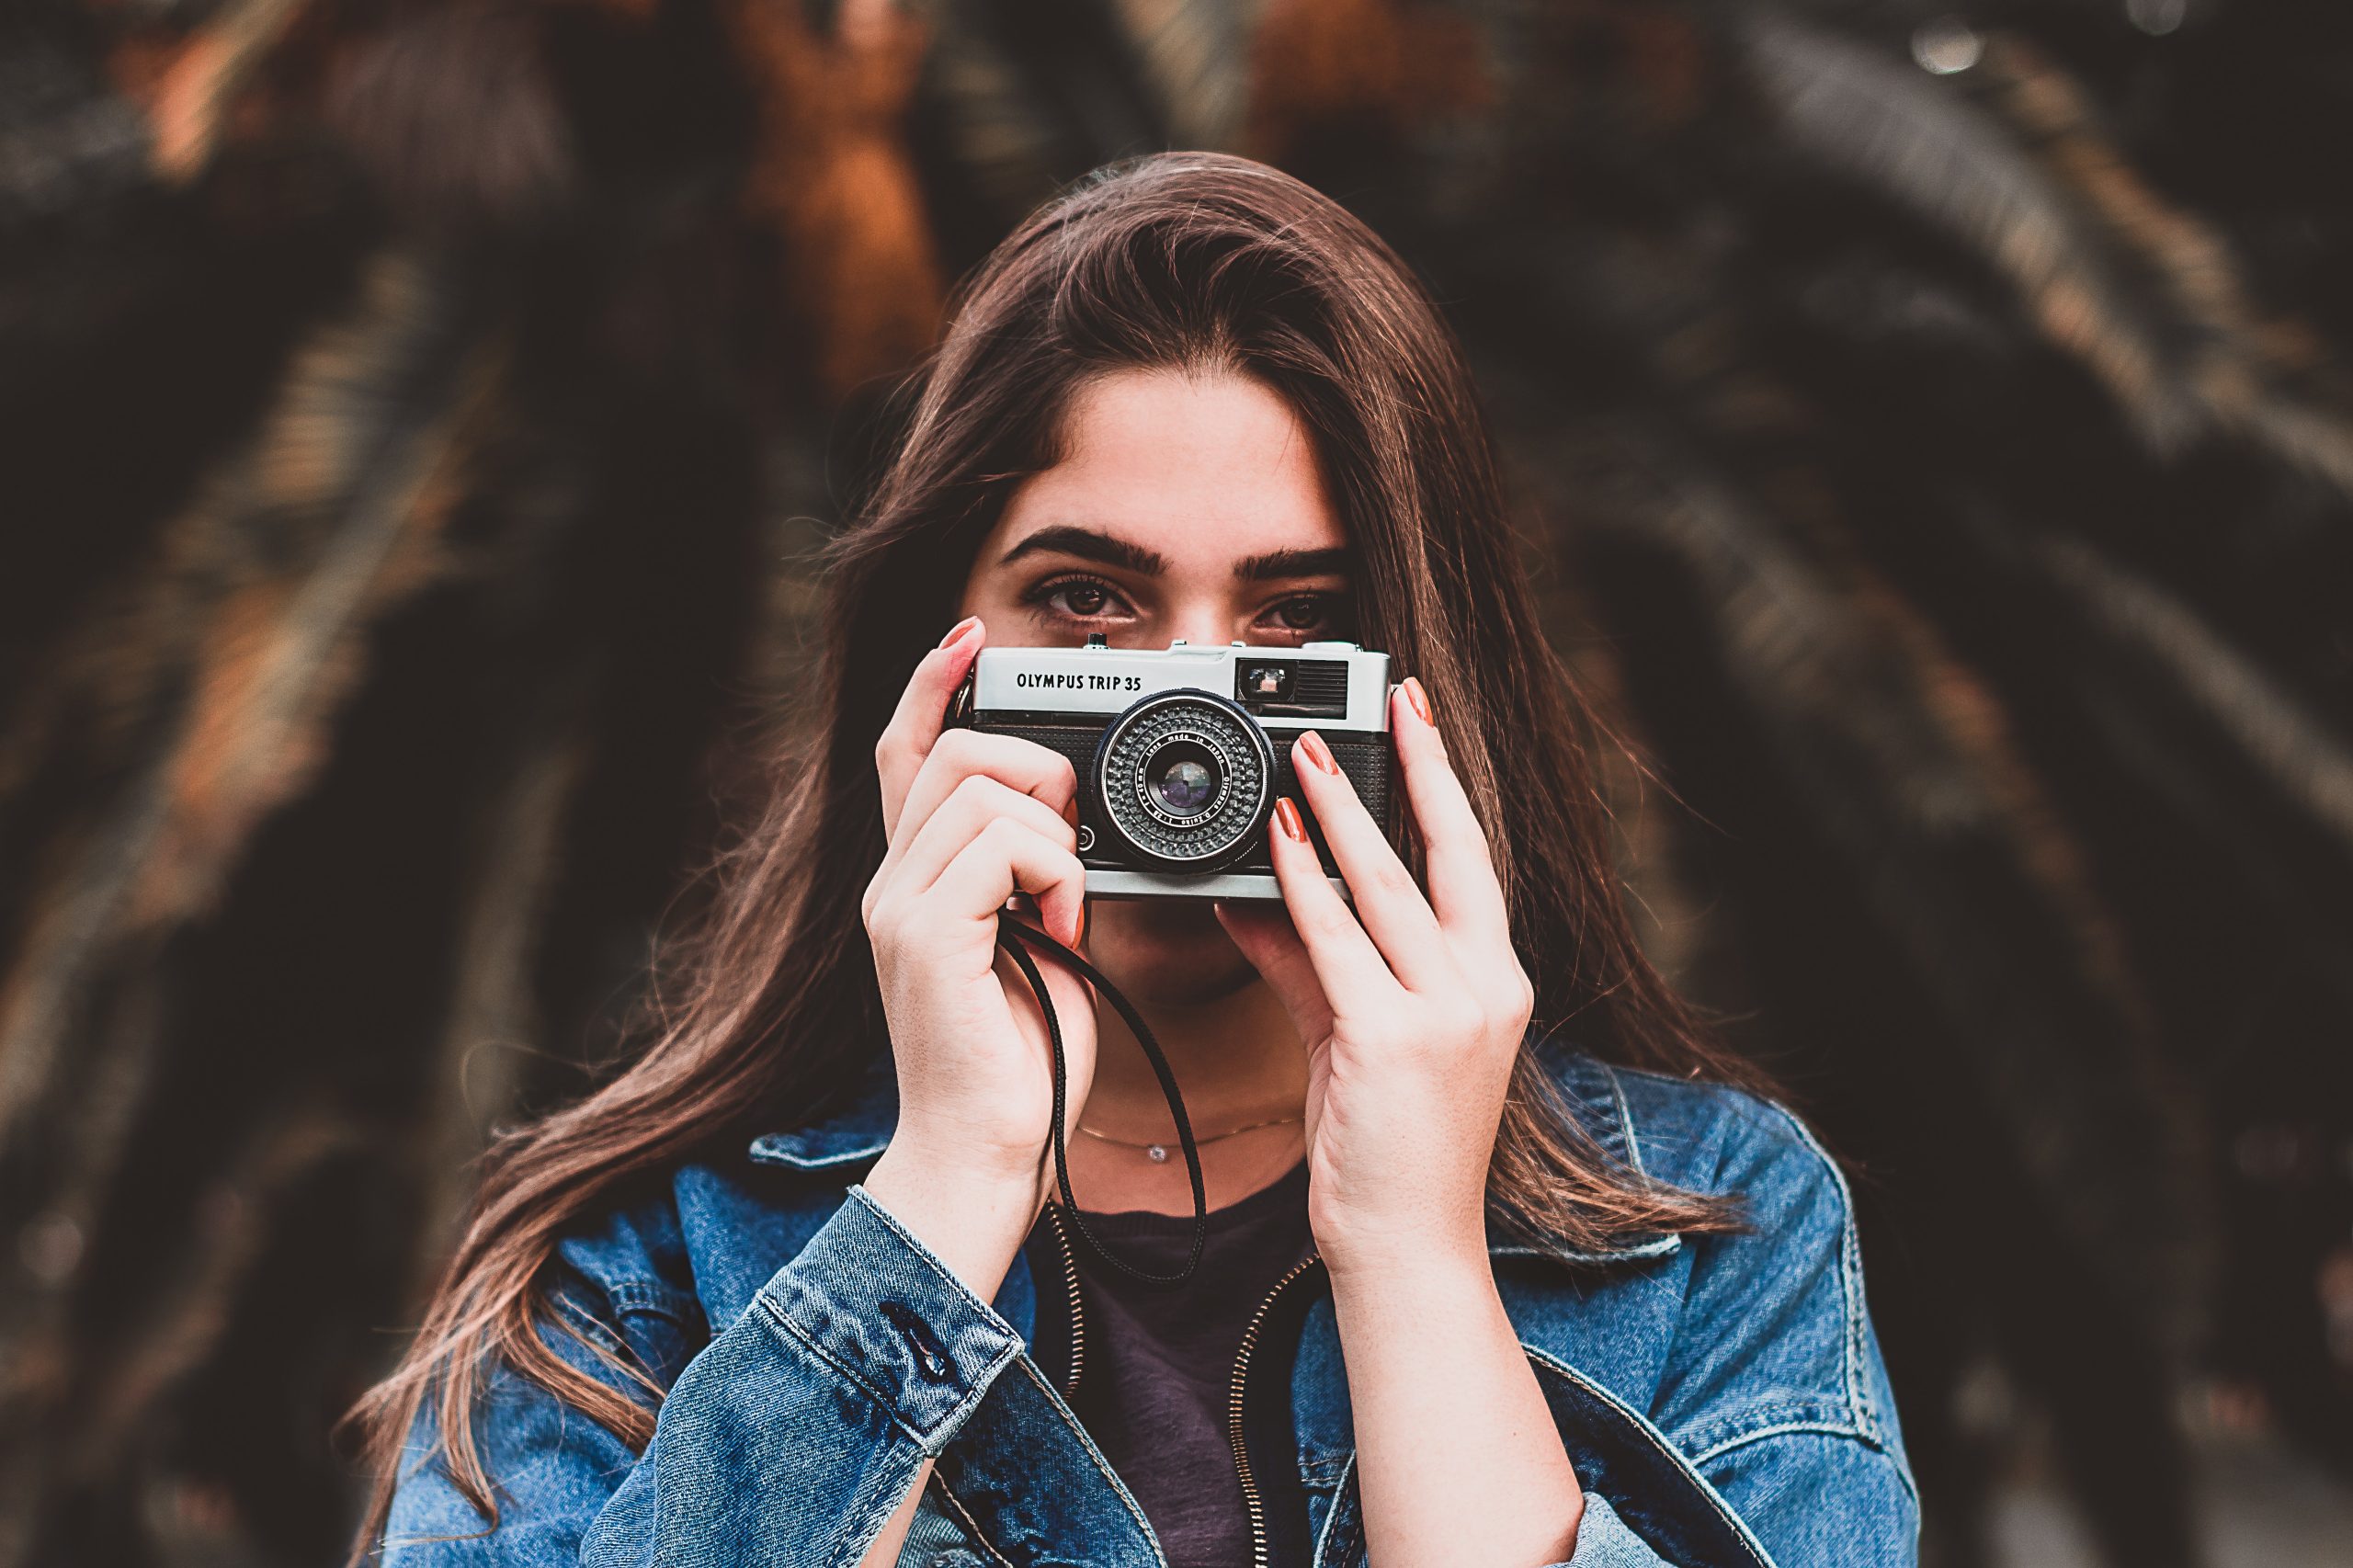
1506	1263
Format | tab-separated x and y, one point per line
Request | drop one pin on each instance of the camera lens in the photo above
1183	777
1184	780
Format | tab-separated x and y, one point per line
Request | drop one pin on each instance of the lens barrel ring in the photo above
1155	758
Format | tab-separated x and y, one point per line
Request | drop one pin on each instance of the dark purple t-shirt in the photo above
1159	1359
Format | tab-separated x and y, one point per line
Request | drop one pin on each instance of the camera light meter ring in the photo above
1185	779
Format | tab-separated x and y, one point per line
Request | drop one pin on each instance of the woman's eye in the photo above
1303	613
1080	598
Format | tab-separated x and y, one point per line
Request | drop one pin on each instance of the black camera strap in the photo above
1017	936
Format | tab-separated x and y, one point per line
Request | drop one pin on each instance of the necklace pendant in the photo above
1157	1154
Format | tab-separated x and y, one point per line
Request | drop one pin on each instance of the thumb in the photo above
1073	1003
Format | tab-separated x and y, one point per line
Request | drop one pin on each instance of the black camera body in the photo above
1181	753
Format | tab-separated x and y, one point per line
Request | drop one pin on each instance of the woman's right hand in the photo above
973	820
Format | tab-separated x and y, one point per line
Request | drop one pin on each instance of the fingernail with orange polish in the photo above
1287	818
1318	753
1419	698
956	633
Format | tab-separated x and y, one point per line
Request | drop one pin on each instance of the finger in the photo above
1026	767
1348	967
1074	998
1267	937
1007	857
918	857
1389	903
915	725
1461	866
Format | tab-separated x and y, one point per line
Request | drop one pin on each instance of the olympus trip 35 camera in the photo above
1182	753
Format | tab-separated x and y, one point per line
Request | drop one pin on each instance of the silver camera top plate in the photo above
1315	685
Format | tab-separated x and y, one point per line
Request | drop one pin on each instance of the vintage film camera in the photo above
1182	753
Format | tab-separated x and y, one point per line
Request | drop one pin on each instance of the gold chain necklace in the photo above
1158	1153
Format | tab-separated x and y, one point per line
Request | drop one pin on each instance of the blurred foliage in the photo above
1932	425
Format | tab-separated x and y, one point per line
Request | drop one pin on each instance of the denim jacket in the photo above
1721	1397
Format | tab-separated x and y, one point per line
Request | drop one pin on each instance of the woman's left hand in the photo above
1412	1009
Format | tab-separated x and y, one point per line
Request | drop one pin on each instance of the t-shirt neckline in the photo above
1281	1193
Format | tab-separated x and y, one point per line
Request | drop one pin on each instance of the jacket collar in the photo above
1598	1100
861	1127
857	1132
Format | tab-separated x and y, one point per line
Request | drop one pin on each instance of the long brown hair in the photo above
1180	260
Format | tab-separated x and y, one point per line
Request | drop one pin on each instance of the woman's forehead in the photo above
1196	467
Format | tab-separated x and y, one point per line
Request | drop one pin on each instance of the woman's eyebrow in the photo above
1294	563
1067	539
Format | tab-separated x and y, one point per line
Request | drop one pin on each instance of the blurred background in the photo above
1931	427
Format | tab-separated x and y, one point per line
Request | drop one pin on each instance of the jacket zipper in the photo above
1261	1543
1070	1280
1261	1546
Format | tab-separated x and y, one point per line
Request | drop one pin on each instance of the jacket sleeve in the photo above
789	1439
1605	1542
